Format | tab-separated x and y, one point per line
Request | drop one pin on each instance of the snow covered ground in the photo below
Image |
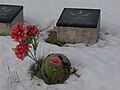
98	64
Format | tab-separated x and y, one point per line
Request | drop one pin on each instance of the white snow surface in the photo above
98	65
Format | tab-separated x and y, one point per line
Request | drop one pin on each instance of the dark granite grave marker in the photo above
79	26
9	15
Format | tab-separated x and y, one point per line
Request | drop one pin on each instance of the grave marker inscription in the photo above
10	15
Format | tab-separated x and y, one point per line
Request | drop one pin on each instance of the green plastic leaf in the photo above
35	43
29	39
25	53
52	68
72	71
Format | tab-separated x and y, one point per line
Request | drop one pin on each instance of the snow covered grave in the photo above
9	15
79	26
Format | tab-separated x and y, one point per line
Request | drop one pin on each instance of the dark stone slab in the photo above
72	17
9	12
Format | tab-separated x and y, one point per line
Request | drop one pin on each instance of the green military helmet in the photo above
55	69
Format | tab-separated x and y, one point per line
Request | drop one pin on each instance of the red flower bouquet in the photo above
27	37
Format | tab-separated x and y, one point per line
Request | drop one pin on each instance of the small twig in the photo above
33	82
46	28
77	75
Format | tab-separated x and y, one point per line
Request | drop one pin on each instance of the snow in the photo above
98	64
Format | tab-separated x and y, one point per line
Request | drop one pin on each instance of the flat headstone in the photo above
77	25
10	15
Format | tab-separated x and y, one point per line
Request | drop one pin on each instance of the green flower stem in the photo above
32	54
35	61
32	58
35	55
34	51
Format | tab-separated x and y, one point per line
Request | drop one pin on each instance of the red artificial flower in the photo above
18	32
56	61
32	30
20	50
